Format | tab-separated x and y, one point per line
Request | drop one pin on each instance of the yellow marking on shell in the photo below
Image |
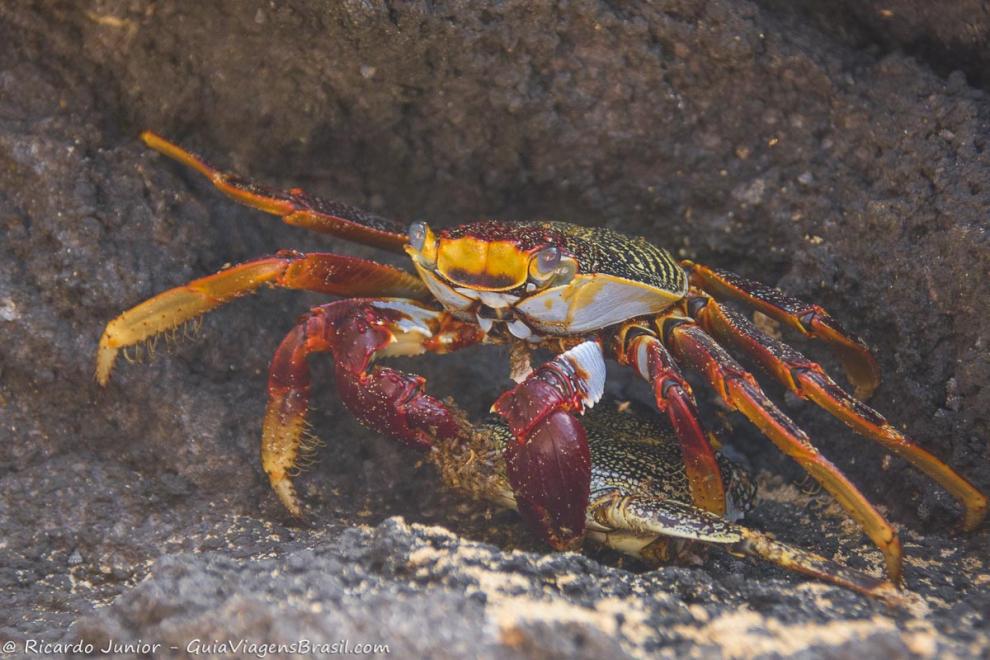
580	293
483	265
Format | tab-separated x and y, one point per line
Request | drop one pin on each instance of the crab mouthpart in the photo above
485	323
519	329
486	317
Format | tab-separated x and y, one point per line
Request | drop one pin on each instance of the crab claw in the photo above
551	477
549	465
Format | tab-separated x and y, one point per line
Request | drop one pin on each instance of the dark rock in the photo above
945	36
849	168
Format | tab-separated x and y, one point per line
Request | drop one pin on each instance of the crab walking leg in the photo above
647	518
694	348
674	397
810	320
549	463
294	206
317	271
389	401
808	380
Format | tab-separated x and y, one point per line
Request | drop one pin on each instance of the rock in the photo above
946	37
140	511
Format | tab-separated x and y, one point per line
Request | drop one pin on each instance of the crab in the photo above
584	294
640	501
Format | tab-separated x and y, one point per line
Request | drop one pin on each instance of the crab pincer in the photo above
549	464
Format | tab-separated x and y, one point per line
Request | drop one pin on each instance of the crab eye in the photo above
545	266
547	260
417	235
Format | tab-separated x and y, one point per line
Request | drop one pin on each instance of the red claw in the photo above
393	403
551	477
549	465
386	400
546	389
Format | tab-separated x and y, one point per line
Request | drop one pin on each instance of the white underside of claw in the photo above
588	365
409	332
520	362
642	357
417	319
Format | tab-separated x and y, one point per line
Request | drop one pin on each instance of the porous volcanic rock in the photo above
827	156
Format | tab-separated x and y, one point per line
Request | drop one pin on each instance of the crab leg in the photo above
317	271
673	396
549	463
808	380
294	206
692	347
386	400
810	320
648	518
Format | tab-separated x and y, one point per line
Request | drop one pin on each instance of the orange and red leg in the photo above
810	320
549	464
808	380
319	272
692	347
640	348
295	206
356	332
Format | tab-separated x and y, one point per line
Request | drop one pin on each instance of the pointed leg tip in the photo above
105	359
975	514
154	141
286	493
893	560
891	594
863	390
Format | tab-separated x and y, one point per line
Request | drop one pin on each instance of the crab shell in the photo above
544	278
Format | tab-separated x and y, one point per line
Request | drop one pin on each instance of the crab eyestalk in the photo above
422	245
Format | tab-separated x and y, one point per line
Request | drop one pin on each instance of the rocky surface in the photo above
831	155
